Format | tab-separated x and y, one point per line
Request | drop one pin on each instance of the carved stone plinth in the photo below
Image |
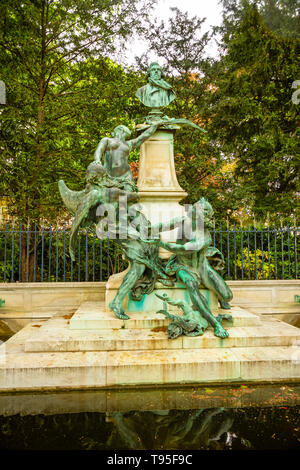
159	189
150	303
94	349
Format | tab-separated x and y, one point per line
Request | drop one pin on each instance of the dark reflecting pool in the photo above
238	418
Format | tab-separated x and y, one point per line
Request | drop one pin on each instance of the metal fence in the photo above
41	254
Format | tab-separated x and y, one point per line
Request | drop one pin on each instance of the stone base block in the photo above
59	338
51	355
151	303
94	316
99	369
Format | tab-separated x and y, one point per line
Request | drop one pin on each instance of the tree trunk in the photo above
27	255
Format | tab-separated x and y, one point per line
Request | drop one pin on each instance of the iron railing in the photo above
41	254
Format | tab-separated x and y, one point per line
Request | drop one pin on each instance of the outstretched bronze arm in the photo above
136	143
168	225
193	245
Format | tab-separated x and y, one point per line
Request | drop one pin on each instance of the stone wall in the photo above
33	301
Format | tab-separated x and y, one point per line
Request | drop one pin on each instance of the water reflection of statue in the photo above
205	429
157	93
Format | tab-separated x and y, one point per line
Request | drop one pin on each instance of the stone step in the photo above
93	316
74	370
56	336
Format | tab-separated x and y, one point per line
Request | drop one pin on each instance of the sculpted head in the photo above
154	71
204	210
121	132
157	93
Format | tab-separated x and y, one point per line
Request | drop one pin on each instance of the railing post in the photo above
262	251
275	249
249	264
5	248
282	255
255	254
242	251
295	252
93	256
27	253
56	254
42	267
35	255
113	262
269	254
49	251
228	253
64	232
12	253
234	249
100	260
79	255
86	257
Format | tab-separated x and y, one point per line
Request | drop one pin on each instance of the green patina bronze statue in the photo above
146	267
110	201
116	150
190	324
104	184
190	263
157	93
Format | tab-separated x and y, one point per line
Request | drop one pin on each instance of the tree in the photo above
281	16
46	52
252	114
180	46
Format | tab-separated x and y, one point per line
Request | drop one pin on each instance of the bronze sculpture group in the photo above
109	184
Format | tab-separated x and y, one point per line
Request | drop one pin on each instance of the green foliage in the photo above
244	102
251	114
256	264
249	253
181	47
62	94
95	260
259	252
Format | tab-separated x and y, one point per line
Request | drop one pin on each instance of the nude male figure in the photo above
191	266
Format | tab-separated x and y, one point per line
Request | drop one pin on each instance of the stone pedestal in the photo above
158	187
150	303
157	170
94	349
